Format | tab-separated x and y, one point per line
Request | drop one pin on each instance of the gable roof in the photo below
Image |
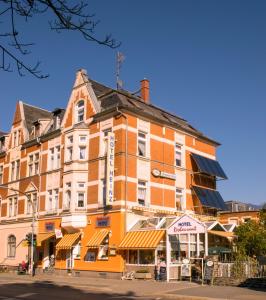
33	113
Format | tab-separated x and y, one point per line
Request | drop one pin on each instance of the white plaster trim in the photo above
192	150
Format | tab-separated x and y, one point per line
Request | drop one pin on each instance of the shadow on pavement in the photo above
50	291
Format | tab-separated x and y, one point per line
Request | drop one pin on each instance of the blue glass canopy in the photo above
209	166
210	198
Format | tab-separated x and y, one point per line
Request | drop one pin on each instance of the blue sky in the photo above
206	62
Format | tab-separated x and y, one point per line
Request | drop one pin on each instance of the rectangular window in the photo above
141	144
1	174
90	256
69	153
17	169
82	152
178	198
142	192
10	207
146	257
103	183
50	201
81	185
51	160
105	140
82	139
58	157
15	204
56	199
12	171
29	205
30	165
15	139
178	155
33	164
81	199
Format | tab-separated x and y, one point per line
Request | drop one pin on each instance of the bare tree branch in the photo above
66	16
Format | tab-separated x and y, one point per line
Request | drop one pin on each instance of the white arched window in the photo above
11	246
80	111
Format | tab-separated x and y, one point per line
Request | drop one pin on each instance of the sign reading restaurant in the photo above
110	168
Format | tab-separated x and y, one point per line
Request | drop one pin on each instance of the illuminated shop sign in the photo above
110	168
158	173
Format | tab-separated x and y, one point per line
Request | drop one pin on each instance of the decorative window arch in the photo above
11	246
80	111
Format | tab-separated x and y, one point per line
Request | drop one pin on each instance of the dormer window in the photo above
80	111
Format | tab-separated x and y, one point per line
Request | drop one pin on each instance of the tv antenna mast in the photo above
119	60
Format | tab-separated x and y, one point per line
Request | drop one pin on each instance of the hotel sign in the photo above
110	168
158	173
186	224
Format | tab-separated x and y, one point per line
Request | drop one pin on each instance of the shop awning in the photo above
226	234
67	241
142	239
97	238
41	237
209	166
210	198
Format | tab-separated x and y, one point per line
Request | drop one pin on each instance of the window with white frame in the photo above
13	170
142	143
57	157
67	199
178	155
81	195
142	192
51	159
53	200
80	111
31	201
11	246
13	207
17	169
33	164
82	139
105	139
1	174
69	148
82	152
179	198
103	190
15	139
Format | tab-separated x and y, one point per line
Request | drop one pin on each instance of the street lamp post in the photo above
32	223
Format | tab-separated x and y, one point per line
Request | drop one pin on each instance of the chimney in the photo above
145	90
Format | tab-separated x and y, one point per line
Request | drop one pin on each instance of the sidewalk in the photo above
157	290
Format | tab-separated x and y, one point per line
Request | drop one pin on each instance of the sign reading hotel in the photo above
186	224
110	168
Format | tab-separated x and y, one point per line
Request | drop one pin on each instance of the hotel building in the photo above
108	174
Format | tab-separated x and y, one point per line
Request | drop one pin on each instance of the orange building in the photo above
94	170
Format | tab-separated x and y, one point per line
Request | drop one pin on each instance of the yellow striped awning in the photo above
142	239
67	241
225	234
41	237
97	238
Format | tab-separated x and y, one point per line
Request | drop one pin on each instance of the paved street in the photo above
13	287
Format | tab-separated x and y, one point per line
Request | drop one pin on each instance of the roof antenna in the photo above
119	60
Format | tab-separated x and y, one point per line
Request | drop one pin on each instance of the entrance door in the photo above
69	259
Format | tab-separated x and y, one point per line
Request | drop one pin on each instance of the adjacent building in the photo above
107	164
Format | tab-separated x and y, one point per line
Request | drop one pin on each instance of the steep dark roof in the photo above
99	89
124	99
33	113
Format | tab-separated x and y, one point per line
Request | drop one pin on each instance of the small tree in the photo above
251	236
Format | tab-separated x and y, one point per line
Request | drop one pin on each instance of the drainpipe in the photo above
121	114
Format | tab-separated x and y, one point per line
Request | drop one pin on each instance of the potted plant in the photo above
143	274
